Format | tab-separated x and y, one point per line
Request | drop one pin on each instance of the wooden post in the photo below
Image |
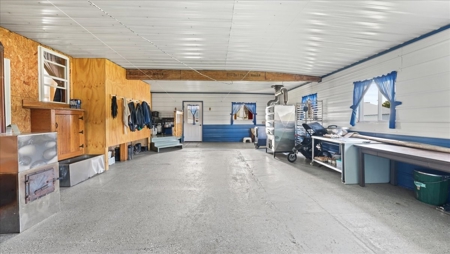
123	152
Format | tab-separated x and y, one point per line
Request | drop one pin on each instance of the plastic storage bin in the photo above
430	188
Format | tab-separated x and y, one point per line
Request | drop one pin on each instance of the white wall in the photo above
423	86
220	105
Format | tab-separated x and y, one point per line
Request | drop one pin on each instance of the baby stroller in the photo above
305	147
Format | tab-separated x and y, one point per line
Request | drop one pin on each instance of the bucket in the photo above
431	189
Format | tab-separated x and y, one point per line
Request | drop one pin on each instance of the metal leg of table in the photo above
393	172
362	180
341	151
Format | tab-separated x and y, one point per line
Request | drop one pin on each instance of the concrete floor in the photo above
231	198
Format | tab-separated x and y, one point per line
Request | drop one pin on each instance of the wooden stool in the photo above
249	139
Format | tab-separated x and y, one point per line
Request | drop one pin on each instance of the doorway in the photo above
193	120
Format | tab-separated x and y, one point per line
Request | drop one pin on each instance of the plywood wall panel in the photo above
23	54
117	84
89	86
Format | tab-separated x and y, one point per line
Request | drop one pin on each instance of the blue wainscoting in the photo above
226	132
405	170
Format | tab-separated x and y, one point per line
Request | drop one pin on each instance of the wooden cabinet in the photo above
68	123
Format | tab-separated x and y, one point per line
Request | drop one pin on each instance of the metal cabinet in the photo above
280	128
29	186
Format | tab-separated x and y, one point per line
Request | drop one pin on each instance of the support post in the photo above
123	152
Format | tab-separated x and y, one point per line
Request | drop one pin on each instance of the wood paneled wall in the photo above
89	86
94	81
23	54
117	84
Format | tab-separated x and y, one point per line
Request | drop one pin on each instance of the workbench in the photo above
424	158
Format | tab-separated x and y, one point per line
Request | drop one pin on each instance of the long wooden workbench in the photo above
424	158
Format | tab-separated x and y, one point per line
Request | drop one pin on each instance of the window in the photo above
363	100
53	76
375	106
192	113
243	112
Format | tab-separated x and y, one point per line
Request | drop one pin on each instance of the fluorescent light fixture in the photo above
193	57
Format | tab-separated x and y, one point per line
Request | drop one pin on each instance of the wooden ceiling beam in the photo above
220	75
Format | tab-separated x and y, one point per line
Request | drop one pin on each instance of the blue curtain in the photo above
386	84
252	108
193	109
360	88
312	97
235	106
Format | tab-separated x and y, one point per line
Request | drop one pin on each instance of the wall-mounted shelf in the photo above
46	105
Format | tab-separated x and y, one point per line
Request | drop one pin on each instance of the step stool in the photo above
249	139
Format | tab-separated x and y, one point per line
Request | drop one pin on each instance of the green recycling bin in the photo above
431	189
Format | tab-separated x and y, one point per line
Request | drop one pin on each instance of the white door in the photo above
193	120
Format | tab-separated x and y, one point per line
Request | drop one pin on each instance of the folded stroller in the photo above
305	147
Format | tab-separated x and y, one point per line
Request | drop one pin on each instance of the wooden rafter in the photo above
220	75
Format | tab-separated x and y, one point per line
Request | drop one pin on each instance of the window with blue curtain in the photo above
237	106
386	85
311	97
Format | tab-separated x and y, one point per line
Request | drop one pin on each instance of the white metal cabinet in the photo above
280	128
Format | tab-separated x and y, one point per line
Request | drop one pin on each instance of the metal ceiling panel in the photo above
301	37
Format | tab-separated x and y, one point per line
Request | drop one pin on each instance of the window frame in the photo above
243	107
42	75
248	106
379	108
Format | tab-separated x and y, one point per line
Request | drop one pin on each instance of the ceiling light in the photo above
193	57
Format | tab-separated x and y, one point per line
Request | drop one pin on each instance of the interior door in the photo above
193	121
